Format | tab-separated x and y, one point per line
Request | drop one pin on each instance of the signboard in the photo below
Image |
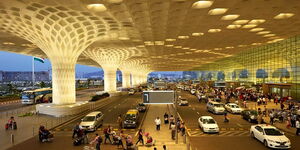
158	97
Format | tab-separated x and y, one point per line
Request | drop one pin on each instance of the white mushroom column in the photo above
110	78
60	35
125	78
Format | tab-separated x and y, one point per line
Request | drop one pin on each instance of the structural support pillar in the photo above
110	81
125	79
63	80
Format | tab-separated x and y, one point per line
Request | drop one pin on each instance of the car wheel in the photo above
266	143
252	135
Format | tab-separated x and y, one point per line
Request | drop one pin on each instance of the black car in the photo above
250	115
141	107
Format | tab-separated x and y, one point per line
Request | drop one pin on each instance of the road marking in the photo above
198	113
239	125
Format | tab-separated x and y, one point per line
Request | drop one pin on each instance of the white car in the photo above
270	136
92	121
208	124
215	107
193	91
233	108
183	102
131	92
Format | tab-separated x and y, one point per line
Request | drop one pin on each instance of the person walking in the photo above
298	126
98	140
157	122
225	116
182	128
271	115
140	138
171	119
288	122
173	130
107	132
120	121
164	147
166	118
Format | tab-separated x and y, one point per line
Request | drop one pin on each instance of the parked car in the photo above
131	118
131	92
270	136
250	115
208	124
183	102
141	107
233	108
193	91
92	121
215	107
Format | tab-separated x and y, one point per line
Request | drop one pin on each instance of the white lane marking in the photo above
239	125
198	113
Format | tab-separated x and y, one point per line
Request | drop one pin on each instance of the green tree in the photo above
42	84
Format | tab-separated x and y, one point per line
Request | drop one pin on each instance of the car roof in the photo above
231	104
206	117
94	113
214	102
265	126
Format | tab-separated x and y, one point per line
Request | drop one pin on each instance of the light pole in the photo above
176	116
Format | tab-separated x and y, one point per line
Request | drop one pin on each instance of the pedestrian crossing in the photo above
221	133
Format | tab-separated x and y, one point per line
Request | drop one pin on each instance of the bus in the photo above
43	95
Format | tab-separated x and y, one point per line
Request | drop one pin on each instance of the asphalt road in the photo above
234	134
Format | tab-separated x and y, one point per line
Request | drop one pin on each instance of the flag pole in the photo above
33	72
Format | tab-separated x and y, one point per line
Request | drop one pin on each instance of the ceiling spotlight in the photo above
99	7
202	4
230	17
214	30
217	11
197	34
170	40
115	1
256	29
257	21
284	15
183	37
269	35
264	32
123	38
233	26
247	26
240	21
177	46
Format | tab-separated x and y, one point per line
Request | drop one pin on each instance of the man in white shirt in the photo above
157	122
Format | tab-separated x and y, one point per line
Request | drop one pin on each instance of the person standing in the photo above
76	130
107	133
297	126
164	147
166	118
271	115
157	122
140	138
120	121
171	119
98	140
173	130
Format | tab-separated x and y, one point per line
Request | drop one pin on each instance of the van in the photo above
215	107
131	118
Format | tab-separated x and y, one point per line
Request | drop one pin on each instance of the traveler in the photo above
182	128
44	134
140	138
298	126
171	119
120	121
225	116
107	132
11	124
173	130
76	130
98	140
166	118
157	122
164	147
129	141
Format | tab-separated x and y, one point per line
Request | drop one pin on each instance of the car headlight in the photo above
92	126
205	128
252	117
272	141
133	122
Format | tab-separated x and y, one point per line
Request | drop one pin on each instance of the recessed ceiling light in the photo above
284	15
123	38
247	26
256	44
217	11
276	40
140	46
217	49
197	34
214	30
97	7
256	29
230	17
186	48
115	1
240	21
233	26
257	21
264	32
183	37
193	49
8	43
170	40
229	47
159	42
242	45
149	43
202	4
269	35
177	46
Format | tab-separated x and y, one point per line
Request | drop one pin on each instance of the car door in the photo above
201	123
101	119
259	133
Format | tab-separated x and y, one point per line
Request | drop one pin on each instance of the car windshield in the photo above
88	118
130	117
218	105
141	104
253	112
272	131
209	121
234	106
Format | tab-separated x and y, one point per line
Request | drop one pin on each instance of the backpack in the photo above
105	131
99	140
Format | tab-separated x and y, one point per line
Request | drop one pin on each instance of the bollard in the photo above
12	138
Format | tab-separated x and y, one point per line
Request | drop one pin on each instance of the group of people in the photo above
174	124
11	124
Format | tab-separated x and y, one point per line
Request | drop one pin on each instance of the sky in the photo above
17	62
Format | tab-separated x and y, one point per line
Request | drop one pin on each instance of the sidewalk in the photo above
162	137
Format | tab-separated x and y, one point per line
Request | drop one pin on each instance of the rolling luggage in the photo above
14	125
6	126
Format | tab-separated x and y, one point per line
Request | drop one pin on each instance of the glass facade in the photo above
276	63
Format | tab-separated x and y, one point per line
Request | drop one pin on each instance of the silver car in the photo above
92	121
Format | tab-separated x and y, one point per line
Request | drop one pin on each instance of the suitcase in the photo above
6	126
77	142
14	125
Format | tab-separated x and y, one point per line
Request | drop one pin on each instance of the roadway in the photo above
111	109
234	134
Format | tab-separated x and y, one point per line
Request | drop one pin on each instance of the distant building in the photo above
7	76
